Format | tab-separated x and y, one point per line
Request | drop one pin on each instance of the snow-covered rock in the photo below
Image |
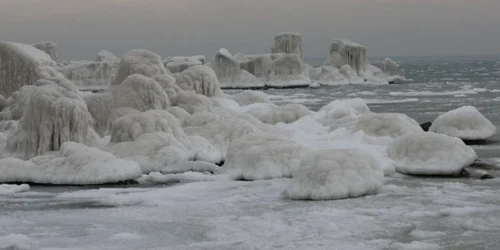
22	64
194	103
465	123
169	84
387	124
428	153
259	156
288	71
53	115
341	113
344	52
89	75
327	75
275	114
229	72
140	92
139	61
335	174
288	42
178	64
200	80
248	97
351	75
48	47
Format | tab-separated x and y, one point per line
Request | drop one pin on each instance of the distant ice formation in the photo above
177	64
344	52
139	61
229	72
48	47
288	43
289	71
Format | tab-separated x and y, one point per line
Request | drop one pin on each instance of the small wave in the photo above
430	93
377	101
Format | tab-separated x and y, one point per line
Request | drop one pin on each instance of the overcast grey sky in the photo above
81	28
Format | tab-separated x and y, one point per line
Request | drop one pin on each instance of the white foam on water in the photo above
430	93
377	101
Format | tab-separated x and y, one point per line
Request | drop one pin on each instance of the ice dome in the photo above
428	153
466	123
387	124
177	64
200	80
139	61
275	114
48	47
335	174
248	97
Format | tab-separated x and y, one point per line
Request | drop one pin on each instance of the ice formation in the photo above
345	52
15	104
200	80
178	64
73	164
341	113
258	65
248	97
262	156
6	189
139	61
335	174
288	71
387	124
465	123
3	103
190	166
89	75
140	92
53	115
106	56
428	153
275	114
229	72
22	64
327	75
351	75
169	85
288	42
204	150
48	47
390	67
194	103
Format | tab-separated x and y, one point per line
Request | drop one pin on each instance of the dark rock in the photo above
479	142
426	125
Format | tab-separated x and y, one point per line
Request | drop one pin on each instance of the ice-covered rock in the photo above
288	42
140	92
52	115
106	56
259	156
344	52
204	150
288	71
248	97
194	103
387	124
200	80
351	75
341	113
179	113
22	64
428	153
466	123
327	75
275	114
73	164
259	66
6	189
177	64
390	67
190	166
335	174
169	84
89	75
14	107
229	72
139	61
48	47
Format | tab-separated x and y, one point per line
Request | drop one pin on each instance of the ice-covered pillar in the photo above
344	52
289	43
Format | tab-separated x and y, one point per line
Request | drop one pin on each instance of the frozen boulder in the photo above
288	71
106	56
229	72
169	84
140	92
428	153
248	97
351	75
15	104
200	80
288	43
22	64
53	115
73	164
466	123
89	75
390	67
139	61
262	156
344	52
178	64
286	114
387	124
191	166
258	65
342	113
327	75
48	47
194	103
335	174
205	151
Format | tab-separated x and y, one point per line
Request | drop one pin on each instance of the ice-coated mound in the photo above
344	52
229	72
390	67
3	103
48	47
106	56
190	166
248	97
275	114
288	42
139	61
466	123
22	64
427	153
177	64
88	75
53	115
288	71
387	124
335	174
169	85
74	164
6	189
341	113
204	150
260	156
15	104
258	65
193	103
140	92
200	80
348	72
327	75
